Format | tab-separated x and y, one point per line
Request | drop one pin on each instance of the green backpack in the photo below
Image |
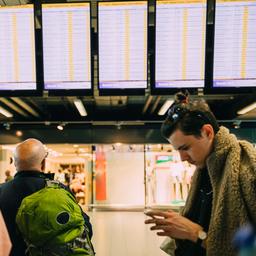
51	223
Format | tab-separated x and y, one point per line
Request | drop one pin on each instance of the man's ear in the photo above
207	131
43	165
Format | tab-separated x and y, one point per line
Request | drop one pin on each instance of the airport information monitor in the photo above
17	48
235	44
122	37
180	43
66	46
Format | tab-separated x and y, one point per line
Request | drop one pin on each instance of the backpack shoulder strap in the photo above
57	184
52	183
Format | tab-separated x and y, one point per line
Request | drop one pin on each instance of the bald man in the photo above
30	155
29	160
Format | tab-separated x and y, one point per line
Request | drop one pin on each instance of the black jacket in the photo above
11	194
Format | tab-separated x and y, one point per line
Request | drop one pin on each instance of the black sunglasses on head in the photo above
177	112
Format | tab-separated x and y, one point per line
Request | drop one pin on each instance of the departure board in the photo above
122	35
66	46
235	44
17	48
180	43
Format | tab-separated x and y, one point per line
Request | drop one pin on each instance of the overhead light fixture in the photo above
19	133
118	125
5	112
165	107
247	109
80	107
7	126
60	127
237	124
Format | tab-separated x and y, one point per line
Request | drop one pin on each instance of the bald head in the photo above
29	155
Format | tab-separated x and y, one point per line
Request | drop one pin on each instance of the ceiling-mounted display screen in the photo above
66	46
235	44
180	43
17	49
123	43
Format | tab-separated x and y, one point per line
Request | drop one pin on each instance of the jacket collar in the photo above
223	143
34	173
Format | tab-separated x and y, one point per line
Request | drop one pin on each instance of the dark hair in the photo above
189	117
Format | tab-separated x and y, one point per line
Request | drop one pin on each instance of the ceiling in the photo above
112	110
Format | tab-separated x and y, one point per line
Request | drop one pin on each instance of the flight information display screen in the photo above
66	46
180	43
123	43
17	48
235	44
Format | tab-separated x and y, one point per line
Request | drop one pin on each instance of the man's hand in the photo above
173	225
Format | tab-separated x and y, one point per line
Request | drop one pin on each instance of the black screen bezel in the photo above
210	89
170	91
38	90
121	91
70	92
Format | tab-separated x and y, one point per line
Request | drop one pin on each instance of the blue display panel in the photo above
67	46
235	44
180	44
17	49
123	44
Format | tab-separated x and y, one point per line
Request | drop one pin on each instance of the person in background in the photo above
5	243
222	194
60	176
245	241
67	177
8	176
29	160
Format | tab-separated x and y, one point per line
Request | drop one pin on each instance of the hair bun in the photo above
182	97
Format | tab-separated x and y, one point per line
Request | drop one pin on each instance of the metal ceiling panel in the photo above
14	2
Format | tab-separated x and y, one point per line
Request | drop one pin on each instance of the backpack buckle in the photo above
52	183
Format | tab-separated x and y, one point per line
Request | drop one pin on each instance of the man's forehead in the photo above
179	140
177	135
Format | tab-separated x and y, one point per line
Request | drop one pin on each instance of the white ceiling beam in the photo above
25	106
149	99
155	104
14	2
13	107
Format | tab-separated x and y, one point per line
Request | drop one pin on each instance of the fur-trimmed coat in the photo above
232	171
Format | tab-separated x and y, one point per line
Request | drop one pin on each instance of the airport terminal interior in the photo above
115	183
93	80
